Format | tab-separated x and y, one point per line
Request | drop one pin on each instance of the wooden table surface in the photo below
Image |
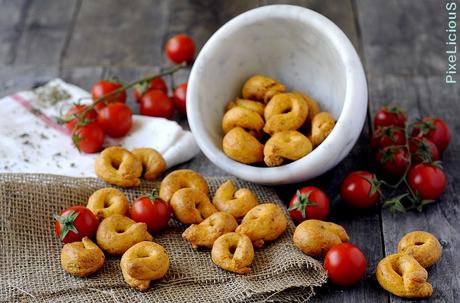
401	43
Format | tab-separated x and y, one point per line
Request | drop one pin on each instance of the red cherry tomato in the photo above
435	130
152	211
360	189
309	203
427	181
89	138
394	160
180	48
388	135
77	110
180	98
423	150
155	84
345	264
115	119
105	87
156	103
390	116
74	223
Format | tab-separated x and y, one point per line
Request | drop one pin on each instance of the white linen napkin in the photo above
31	141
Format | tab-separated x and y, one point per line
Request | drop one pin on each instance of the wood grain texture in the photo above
403	37
424	96
12	18
44	32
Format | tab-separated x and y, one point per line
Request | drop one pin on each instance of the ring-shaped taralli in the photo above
255	106
321	126
242	117
144	262
108	201
233	252
214	226
153	163
313	107
403	276
118	166
265	222
191	206
261	88
289	144
235	202
421	245
241	146
82	258
117	233
316	237
182	178
287	111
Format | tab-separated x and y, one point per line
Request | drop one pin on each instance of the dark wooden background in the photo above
401	43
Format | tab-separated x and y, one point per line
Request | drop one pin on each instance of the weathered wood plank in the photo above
404	37
429	96
123	33
44	32
12	17
340	12
17	78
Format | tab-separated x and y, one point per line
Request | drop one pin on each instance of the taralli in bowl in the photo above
261	88
286	145
233	252
117	233
403	276
421	245
182	178
255	106
265	222
108	201
153	163
287	111
244	118
144	262
235	202
118	166
191	206
316	237
321	126
243	147
82	258
214	226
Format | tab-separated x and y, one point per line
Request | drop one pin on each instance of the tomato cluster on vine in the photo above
110	116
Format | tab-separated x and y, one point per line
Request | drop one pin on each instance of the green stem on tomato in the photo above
80	117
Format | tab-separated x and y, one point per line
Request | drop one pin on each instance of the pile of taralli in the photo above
272	126
231	225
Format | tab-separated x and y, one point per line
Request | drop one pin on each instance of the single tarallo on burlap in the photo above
30	268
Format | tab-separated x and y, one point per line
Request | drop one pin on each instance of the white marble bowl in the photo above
303	50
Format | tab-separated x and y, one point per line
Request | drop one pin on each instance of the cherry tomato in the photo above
309	203
89	138
427	181
141	88
105	87
180	97
394	160
345	264
74	223
360	189
77	110
435	130
115	119
180	48
423	150
152	211
390	116
388	135
156	103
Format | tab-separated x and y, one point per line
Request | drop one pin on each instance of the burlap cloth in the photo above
29	254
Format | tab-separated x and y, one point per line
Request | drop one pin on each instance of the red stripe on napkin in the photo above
40	115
